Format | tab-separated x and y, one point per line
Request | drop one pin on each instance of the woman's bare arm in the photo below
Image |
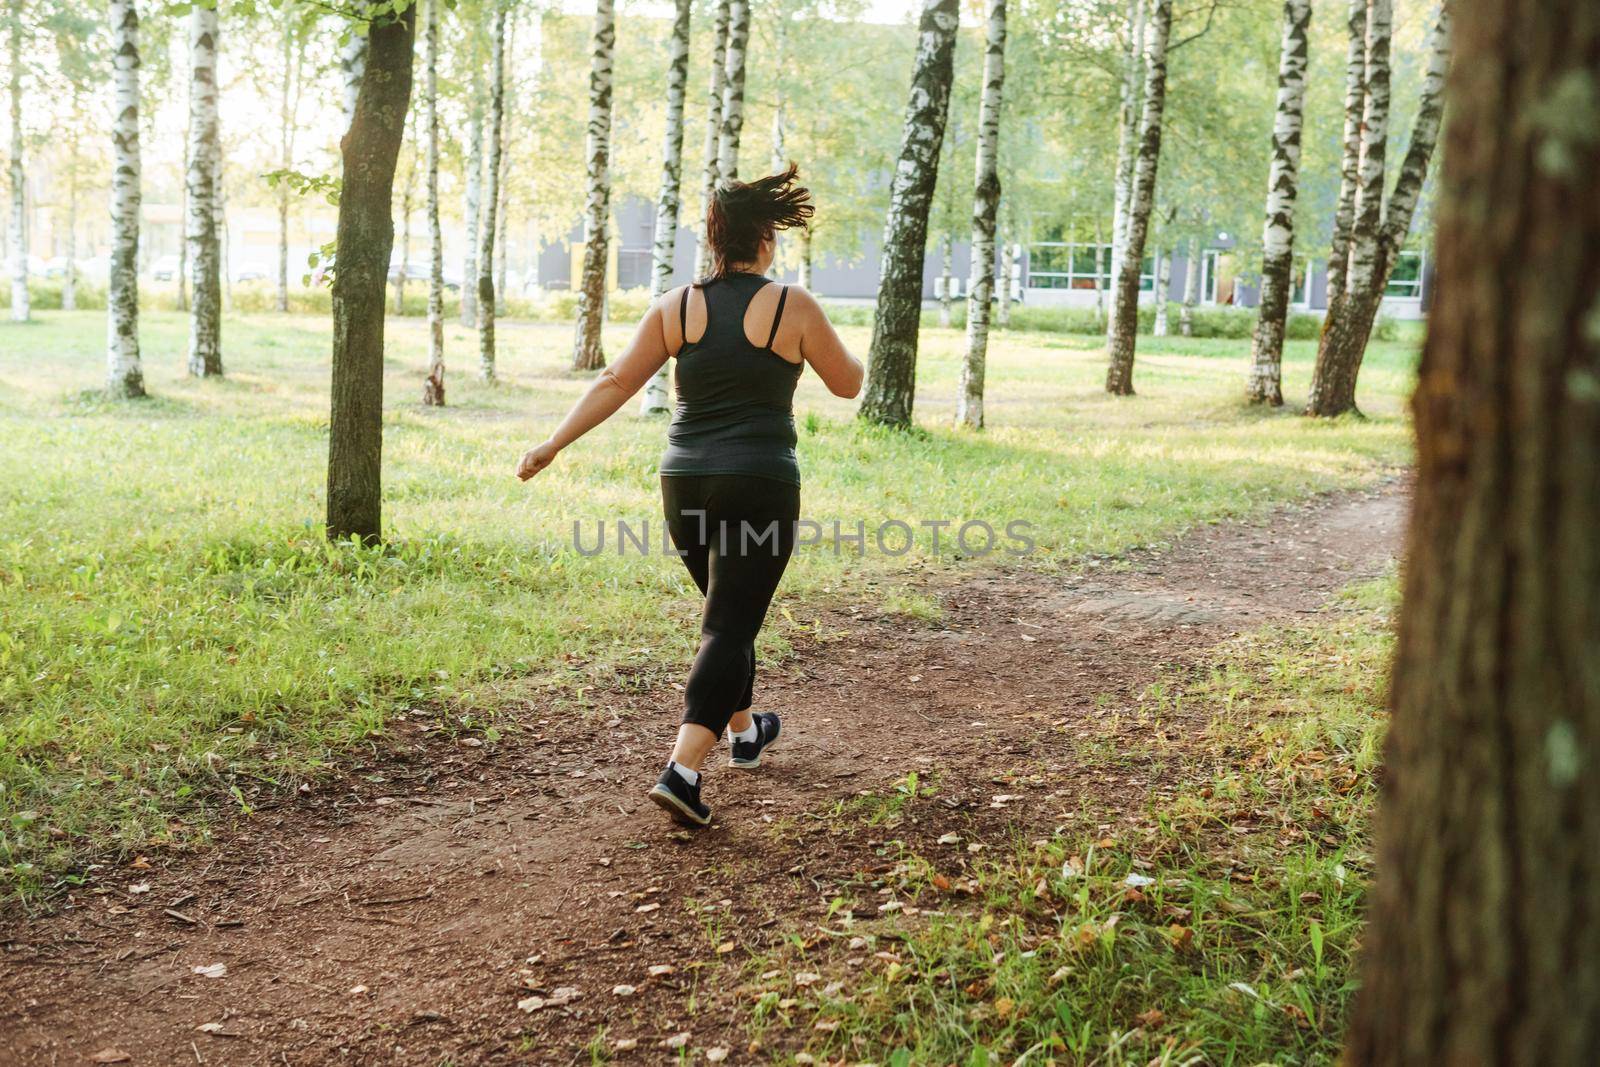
821	347
645	355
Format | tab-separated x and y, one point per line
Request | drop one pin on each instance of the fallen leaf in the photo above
210	1028
142	887
623	990
677	1040
950	839
1152	1018
716	1055
625	1044
110	1055
643	909
1138	881
531	1004
659	970
214	970
725	948
805	978
140	864
357	990
1004	1007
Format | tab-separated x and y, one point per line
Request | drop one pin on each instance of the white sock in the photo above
692	777
745	737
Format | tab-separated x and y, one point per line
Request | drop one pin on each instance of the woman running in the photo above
730	482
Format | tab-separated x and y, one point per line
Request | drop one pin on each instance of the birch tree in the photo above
587	352
17	238
1133	72
352	65
1191	288
733	90
1125	316
1482	929
491	192
472	202
721	17
202	186
667	199
1159	327
892	357
1380	229
1265	384
293	82
1355	95
985	208
433	386
124	370
365	238
945	286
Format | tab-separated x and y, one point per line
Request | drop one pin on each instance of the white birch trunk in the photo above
1265	383
407	201
807	240
1008	264
946	286
663	254
1127	137
472	209
985	208
1191	288
1099	278
1163	282
352	65
733	90
17	239
124	370
1355	95
203	183
433	386
588	353
721	16
892	357
1402	203
491	193
289	106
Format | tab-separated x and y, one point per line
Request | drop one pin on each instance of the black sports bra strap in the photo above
683	316
777	317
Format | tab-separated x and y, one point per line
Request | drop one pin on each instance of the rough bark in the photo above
719	74
1163	281
365	238
1125	316
892	357
1483	937
733	90
202	232
17	239
124	370
1265	383
985	209
433	385
1191	288
1133	73
491	193
668	198
587	351
1375	241
472	207
1355	95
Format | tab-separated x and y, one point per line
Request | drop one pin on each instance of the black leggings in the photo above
735	532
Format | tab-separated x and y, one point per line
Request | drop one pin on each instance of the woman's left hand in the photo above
536	459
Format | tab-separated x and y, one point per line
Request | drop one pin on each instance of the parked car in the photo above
420	272
251	272
164	269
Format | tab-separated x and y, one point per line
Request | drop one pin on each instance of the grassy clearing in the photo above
174	632
1216	927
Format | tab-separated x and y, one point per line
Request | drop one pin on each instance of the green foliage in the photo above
173	627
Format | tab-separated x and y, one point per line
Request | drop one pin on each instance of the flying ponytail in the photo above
743	214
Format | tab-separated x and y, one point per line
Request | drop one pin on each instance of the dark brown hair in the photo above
743	214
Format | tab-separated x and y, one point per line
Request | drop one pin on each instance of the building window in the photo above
1405	281
1070	265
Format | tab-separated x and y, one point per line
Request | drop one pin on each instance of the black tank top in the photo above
735	412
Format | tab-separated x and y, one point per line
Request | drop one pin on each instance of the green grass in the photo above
1234	946
174	632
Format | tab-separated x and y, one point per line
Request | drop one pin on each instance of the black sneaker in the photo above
680	799
747	754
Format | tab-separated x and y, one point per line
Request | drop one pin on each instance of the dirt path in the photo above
400	914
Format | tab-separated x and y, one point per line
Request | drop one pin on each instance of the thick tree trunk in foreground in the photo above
654	400
733	90
587	352
719	76
204	179
124	371
1133	72
433	386
1163	282
491	193
1348	325
1125	315
1483	942
892	357
1355	96
985	209
1265	385
21	305
365	239
1191	288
